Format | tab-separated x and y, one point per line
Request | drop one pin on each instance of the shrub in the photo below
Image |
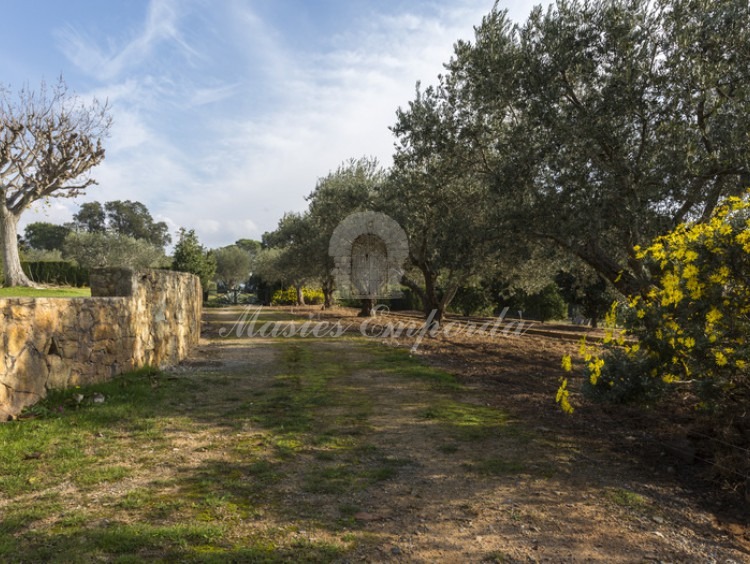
63	273
288	296
691	328
693	324
95	250
623	378
544	305
473	300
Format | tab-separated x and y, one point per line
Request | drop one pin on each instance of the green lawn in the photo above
19	292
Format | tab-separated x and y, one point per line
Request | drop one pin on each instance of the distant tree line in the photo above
116	233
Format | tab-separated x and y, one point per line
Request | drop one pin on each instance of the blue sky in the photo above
226	112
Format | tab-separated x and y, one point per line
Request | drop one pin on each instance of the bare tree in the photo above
49	142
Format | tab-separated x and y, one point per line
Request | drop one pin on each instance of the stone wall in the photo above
133	319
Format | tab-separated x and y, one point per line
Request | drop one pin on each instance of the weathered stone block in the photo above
59	373
16	336
31	370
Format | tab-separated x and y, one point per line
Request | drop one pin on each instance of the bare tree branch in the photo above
49	142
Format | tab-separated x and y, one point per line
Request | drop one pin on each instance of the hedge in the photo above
62	273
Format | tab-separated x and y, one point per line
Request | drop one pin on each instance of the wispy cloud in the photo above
202	96
160	25
238	127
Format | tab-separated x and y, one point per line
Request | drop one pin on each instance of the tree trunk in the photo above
621	278
433	305
328	289
429	295
433	310
368	307
300	296
14	275
448	295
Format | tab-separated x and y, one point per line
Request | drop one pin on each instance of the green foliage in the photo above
34	255
94	250
127	218
692	325
45	236
543	306
190	256
590	294
624	379
473	299
291	255
443	205
597	126
690	329
62	273
132	219
232	266
297	251
288	296
90	218
250	246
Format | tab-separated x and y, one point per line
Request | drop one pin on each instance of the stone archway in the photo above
368	249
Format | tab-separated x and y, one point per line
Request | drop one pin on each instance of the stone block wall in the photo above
133	319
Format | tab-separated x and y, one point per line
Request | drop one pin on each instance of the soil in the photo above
603	484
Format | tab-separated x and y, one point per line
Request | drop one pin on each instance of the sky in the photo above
227	112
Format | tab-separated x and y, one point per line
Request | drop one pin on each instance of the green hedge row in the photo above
63	273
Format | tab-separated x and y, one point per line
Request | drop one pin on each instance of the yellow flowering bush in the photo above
288	296
692	326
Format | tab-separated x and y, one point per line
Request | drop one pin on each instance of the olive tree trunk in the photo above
300	295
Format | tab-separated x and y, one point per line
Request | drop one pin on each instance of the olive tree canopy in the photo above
597	125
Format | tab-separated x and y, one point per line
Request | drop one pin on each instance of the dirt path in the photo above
361	448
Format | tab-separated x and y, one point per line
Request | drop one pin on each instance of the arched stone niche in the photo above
368	250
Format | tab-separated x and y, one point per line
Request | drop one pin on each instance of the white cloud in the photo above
226	137
209	225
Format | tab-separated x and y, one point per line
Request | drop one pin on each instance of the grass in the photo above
403	363
467	422
230	464
626	498
57	461
61	292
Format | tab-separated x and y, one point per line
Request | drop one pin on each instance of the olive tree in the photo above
599	125
98	250
232	267
290	256
441	201
353	187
